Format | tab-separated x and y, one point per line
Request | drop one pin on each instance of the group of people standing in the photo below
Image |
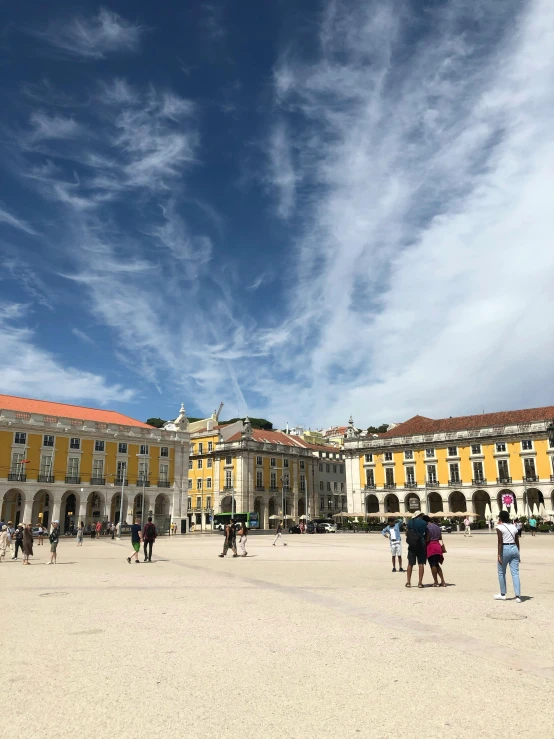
21	537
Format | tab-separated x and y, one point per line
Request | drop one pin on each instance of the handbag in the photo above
443	548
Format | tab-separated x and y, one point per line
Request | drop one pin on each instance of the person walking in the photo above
279	534
18	538
149	534
136	538
435	551
230	539
491	524
80	533
392	531
533	525
467	529
98	530
27	543
3	542
11	533
112	531
40	535
243	534
415	538
508	554
54	539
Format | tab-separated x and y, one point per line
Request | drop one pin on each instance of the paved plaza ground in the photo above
317	639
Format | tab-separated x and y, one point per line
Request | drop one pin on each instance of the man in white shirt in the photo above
393	533
467	531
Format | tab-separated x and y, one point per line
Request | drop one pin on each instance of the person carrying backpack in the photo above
54	539
149	534
415	539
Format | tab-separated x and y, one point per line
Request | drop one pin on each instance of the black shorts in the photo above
418	555
435	560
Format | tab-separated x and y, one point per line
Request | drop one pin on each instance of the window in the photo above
302	464
75	443
199	464
190	464
454	473
259	479
209	462
302	483
121	472
341	470
285	462
503	469
476	448
210	446
164	451
164	473
334	469
189	504
200	448
410	476
389	476
97	468
526	444
500	446
122	448
190	487
17	464
46	465
369	457
529	465
273	462
228	460
432	473
228	479
199	483
273	480
329	504
388	456
73	467
48	441
327	468
408	454
20	437
259	460
322	504
143	449
209	498
198	501
452	451
478	472
329	486
321	468
369	478
321	484
335	486
429	452
98	446
142	472
342	487
285	482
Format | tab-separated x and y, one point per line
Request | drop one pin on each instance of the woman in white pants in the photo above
243	533
279	533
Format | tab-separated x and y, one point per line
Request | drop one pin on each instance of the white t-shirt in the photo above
392	534
509	532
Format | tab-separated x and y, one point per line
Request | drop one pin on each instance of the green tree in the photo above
377	429
257	423
156	422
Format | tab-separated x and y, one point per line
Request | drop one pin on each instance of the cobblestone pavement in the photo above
318	639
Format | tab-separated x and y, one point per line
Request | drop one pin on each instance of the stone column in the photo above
28	509
82	511
56	510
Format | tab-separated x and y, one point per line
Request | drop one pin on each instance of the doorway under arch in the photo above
12	506
371	504
412	503
392	504
457	502
435	503
226	504
482	504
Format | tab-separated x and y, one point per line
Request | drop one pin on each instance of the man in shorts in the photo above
533	525
54	538
393	533
230	541
136	538
415	537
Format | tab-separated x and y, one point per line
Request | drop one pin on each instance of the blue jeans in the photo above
510	556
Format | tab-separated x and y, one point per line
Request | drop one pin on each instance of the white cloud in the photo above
281	173
11	220
20	272
93	37
45	126
82	336
26	369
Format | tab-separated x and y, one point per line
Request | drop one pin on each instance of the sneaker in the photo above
394	569
235	555
500	597
220	555
401	570
518	599
128	560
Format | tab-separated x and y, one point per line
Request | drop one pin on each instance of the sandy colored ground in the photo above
316	639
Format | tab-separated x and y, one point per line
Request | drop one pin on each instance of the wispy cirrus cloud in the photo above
11	220
44	126
92	37
281	174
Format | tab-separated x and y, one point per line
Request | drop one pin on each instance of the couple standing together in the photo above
231	538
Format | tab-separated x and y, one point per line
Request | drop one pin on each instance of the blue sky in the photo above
305	210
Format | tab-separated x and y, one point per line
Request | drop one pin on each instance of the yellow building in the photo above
66	462
476	464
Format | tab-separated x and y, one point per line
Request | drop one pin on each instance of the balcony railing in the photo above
503	480
45	478
273	489
286	488
97	480
142	483
410	484
551	478
259	488
433	484
120	481
163	483
479	481
72	480
370	486
390	485
17	476
228	487
454	482
531	478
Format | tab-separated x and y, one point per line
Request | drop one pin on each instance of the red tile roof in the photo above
423	425
63	410
279	437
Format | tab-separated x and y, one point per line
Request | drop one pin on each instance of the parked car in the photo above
330	528
294	530
446	529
